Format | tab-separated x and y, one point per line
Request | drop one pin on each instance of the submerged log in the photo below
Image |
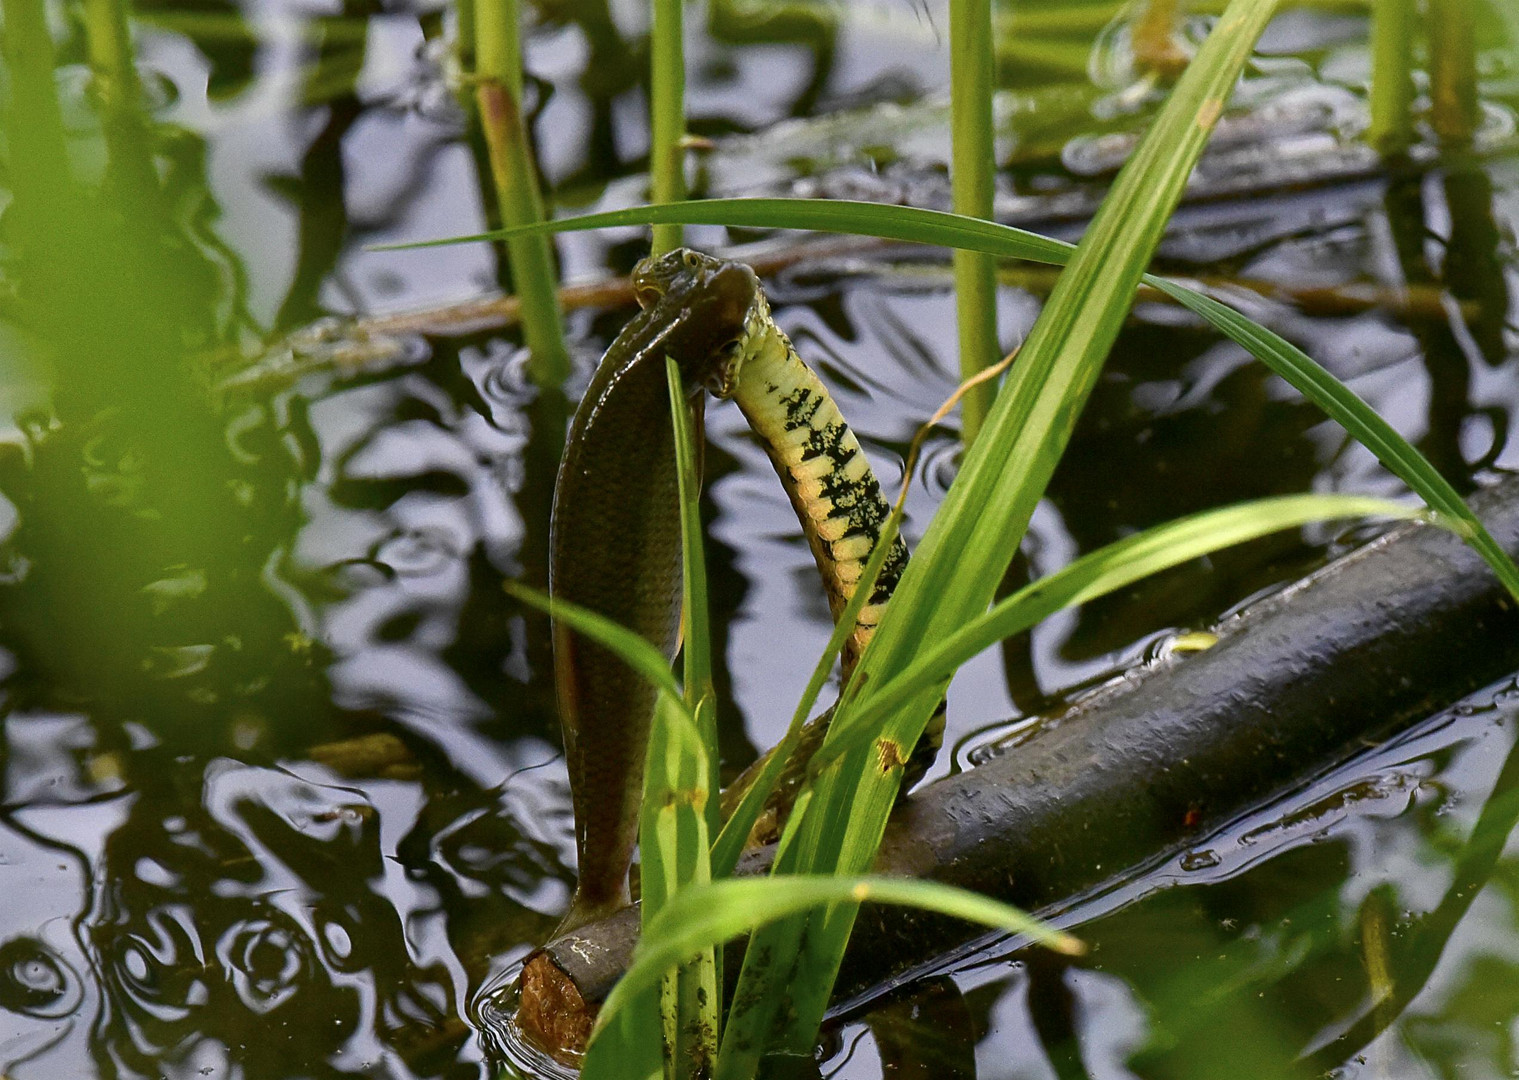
1154	761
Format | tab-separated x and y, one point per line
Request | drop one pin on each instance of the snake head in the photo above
709	307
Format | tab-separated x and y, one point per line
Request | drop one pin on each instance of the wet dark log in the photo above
1299	681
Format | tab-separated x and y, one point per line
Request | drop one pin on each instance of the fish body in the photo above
615	533
615	546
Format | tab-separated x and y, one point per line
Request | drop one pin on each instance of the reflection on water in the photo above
281	785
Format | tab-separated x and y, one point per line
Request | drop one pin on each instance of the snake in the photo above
615	544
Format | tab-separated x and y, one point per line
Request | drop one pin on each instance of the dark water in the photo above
282	794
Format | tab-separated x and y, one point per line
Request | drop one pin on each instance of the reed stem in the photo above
498	95
131	176
1453	71
464	34
34	125
667	119
1393	24
1156	50
973	161
108	43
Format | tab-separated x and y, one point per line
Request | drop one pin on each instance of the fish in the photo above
615	544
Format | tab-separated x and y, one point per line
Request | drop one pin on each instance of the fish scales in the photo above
615	548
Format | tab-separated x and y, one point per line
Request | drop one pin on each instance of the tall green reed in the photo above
464	35
498	96
681	810
108	43
1394	24
1453	108
973	149
667	117
681	814
34	127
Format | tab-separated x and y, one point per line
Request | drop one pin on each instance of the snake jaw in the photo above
722	381
723	377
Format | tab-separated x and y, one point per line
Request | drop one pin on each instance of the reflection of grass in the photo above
1454	112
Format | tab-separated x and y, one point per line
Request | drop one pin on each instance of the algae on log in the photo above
1170	752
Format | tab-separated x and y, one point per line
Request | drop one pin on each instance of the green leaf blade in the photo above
937	228
722	910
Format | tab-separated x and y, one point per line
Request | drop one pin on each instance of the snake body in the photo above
615	534
830	483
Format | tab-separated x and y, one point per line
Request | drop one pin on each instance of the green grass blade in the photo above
673	836
1358	418
972	141
33	121
696	647
674	841
1394	31
632	649
722	910
498	95
676	795
627	1045
691	1000
667	116
1097	574
910	224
